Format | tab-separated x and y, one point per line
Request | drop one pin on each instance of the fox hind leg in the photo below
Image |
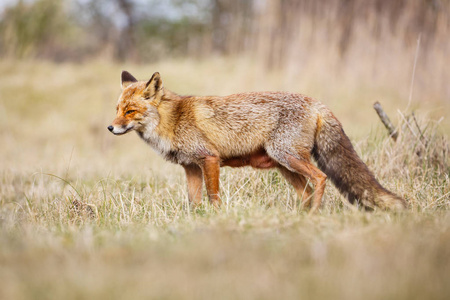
300	185
317	177
300	163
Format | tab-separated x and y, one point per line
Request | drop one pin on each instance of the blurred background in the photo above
278	33
378	40
376	43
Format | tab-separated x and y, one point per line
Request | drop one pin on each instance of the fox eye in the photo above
129	112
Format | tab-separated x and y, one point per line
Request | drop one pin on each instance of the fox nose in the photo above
110	128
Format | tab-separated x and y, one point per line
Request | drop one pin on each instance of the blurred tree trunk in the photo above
126	44
218	26
232	25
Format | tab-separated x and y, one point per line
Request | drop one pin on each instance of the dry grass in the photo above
130	234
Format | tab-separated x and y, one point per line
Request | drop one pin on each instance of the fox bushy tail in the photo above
337	158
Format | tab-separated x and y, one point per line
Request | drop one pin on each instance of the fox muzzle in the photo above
118	130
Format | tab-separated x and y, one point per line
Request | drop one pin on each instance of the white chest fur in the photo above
161	145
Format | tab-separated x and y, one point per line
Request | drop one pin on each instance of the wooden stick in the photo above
393	133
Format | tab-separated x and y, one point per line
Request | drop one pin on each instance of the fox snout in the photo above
120	129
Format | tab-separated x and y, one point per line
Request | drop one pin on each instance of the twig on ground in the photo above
393	133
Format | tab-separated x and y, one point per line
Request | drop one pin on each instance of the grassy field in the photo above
88	215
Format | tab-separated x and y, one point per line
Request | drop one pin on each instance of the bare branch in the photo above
393	133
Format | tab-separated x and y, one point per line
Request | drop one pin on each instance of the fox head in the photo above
138	102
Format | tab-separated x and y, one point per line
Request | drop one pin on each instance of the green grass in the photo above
88	215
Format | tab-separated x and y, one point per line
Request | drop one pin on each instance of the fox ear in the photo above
154	85
155	82
127	79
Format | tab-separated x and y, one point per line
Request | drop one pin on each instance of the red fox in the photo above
263	130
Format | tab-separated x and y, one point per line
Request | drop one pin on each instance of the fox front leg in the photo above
211	172
194	178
